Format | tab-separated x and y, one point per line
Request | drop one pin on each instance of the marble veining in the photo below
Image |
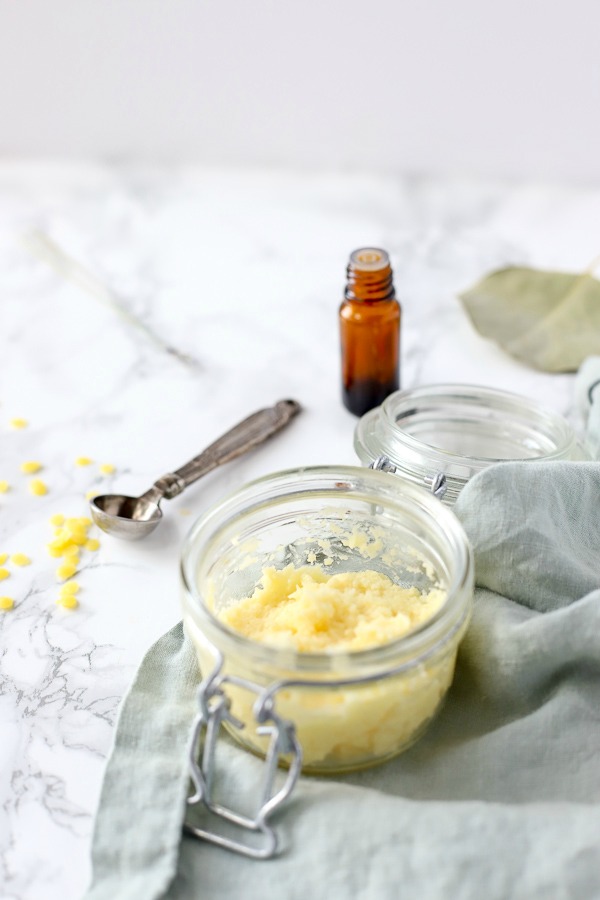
242	270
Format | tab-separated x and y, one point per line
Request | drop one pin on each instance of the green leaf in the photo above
550	320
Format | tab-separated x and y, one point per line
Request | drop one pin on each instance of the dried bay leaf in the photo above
550	320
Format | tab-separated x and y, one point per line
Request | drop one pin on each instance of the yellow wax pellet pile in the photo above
37	487
20	559
30	467
69	535
4	487
70	538
19	423
6	602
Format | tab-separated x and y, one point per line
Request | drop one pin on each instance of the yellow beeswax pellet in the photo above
58	544
57	519
69	587
106	468
20	559
92	493
68	601
30	467
62	544
92	544
19	423
37	487
3	558
83	461
4	487
66	570
6	602
4	573
76	532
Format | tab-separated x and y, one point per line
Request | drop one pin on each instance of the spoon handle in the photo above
241	438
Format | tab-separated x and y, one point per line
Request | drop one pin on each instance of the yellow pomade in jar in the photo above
313	611
310	610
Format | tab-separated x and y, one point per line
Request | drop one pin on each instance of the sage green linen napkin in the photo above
500	799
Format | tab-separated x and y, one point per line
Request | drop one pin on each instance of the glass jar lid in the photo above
457	430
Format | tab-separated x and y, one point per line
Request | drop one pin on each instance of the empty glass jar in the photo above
456	430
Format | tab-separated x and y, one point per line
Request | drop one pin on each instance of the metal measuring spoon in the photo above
133	518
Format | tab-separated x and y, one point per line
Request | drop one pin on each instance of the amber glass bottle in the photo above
369	331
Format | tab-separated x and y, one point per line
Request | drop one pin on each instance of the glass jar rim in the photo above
372	485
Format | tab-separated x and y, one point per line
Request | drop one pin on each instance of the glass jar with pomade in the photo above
439	436
379	578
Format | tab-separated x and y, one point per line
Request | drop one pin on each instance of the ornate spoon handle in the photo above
241	438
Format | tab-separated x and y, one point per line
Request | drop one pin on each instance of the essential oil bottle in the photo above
369	331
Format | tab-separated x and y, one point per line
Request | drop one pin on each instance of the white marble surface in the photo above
244	271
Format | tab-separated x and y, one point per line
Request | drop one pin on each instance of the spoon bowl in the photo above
132	518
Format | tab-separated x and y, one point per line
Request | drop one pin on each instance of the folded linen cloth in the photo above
499	799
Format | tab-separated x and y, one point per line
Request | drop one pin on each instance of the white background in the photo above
507	88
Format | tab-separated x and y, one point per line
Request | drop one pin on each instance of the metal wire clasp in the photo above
383	464
214	711
437	483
